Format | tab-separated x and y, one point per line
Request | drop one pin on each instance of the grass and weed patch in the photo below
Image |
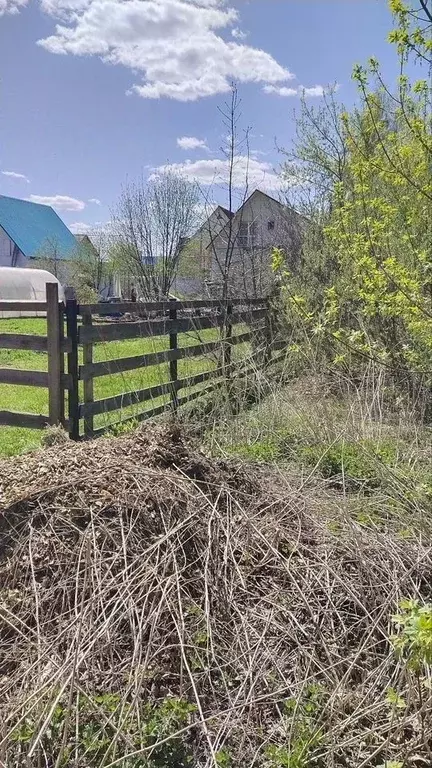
96	729
306	426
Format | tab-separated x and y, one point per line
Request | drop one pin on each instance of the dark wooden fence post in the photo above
87	321
173	344
73	396
62	360
54	346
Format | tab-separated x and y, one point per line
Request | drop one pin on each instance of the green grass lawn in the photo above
35	400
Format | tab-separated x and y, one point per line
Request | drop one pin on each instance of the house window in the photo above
270	225
243	234
247	234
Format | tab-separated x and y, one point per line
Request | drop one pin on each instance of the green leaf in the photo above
394	699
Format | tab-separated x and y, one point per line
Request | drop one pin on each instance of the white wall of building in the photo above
202	239
7	252
258	226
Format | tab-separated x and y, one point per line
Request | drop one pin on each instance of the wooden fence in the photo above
75	331
54	344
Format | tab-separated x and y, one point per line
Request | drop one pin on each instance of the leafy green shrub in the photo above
362	291
263	450
223	758
413	643
301	720
123	428
358	461
92	726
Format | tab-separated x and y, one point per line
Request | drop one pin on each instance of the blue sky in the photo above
96	91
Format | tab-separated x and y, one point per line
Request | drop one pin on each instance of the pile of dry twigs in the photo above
160	608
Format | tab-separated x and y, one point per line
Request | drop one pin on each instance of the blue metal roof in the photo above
35	229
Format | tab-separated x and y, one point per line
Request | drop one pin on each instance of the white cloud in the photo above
281	90
84	228
191	142
59	202
80	228
207	172
11	7
15	175
95	201
173	44
316	90
238	34
63	8
257	152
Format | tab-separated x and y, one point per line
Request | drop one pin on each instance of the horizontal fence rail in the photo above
75	334
28	342
30	378
119	331
94	370
23	306
28	420
143	308
23	341
132	398
165	407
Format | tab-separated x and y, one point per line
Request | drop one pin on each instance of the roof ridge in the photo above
25	200
35	228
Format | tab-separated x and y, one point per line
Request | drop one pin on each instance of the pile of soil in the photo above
137	567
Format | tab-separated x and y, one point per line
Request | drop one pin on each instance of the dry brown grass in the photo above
139	567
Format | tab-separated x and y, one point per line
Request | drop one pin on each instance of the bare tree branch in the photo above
150	222
424	5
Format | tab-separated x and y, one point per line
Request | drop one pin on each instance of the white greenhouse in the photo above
24	285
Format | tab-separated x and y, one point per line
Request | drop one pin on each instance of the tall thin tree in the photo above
150	222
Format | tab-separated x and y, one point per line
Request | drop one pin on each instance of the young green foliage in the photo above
366	291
